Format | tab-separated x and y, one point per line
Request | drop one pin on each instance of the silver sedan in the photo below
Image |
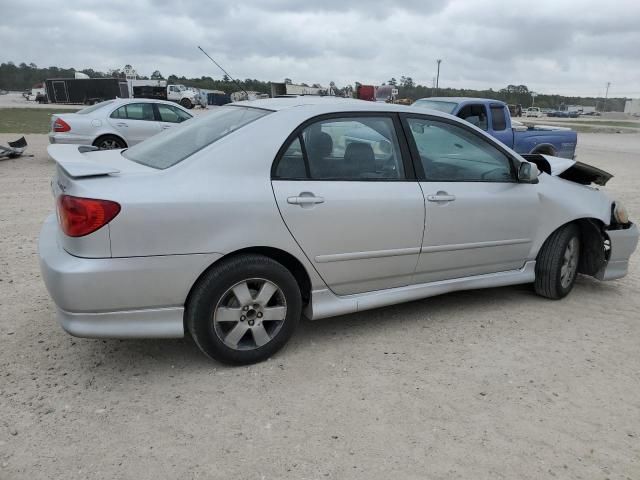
238	223
117	123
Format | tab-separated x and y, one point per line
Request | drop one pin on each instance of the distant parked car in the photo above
116	123
533	112
238	223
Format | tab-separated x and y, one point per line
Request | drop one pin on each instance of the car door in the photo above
170	115
134	122
345	189
479	219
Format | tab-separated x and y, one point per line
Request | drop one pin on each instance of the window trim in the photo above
405	154
417	161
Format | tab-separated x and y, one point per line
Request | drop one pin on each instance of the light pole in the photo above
438	75
606	95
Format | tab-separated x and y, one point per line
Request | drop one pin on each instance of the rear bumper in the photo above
623	244
56	138
136	297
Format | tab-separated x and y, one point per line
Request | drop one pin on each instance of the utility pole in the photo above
606	95
438	75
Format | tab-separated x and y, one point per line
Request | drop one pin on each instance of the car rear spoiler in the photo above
76	164
568	169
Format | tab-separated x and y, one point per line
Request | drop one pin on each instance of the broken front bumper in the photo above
623	243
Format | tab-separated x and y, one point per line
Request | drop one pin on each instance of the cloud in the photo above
551	46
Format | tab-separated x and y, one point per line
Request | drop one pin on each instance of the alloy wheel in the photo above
250	314
569	263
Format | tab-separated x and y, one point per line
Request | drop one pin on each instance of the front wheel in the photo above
244	310
557	263
186	103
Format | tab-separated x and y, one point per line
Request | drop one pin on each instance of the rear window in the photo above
499	120
446	107
93	108
174	145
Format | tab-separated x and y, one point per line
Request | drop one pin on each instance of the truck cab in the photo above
493	117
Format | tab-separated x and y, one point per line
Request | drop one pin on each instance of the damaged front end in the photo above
606	248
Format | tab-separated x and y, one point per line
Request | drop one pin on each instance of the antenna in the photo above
225	72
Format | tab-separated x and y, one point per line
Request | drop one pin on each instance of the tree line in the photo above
24	76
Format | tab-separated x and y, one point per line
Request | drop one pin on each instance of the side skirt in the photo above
325	303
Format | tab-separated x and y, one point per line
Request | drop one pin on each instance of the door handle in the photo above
303	200
441	197
164	127
121	124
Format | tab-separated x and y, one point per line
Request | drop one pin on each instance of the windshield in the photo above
171	147
93	108
446	107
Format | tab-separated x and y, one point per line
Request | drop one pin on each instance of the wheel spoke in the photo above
225	314
266	292
274	313
236	333
260	335
242	293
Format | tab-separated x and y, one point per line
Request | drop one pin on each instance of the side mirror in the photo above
528	173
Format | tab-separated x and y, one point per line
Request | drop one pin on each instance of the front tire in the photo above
186	103
244	309
557	263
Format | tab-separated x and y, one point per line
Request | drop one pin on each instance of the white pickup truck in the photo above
187	97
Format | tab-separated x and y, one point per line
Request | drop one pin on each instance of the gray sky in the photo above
552	46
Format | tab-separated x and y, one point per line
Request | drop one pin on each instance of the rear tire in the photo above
244	309
557	263
109	142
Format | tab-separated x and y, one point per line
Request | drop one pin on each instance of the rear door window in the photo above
353	148
135	111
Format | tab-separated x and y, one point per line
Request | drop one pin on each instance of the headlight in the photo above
620	214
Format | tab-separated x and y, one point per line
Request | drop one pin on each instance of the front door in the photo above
343	190
478	218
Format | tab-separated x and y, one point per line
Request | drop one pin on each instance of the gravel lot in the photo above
483	384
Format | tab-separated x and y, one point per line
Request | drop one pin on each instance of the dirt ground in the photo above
486	384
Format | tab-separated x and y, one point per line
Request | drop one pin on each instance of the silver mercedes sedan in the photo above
241	221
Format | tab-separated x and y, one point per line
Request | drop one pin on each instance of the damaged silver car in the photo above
234	226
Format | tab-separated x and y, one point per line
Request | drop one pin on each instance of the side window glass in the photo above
355	148
167	114
475	115
119	113
450	153
498	120
140	111
291	164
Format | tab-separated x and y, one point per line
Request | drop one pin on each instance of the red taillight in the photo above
60	126
82	216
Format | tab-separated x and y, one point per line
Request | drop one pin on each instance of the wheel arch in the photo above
593	239
544	149
106	134
289	261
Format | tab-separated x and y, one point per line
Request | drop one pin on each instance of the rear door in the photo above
345	189
135	122
479	219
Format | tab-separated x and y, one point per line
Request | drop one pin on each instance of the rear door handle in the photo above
164	127
441	197
121	124
303	200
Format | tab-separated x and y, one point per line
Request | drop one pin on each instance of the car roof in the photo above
327	103
123	101
461	99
